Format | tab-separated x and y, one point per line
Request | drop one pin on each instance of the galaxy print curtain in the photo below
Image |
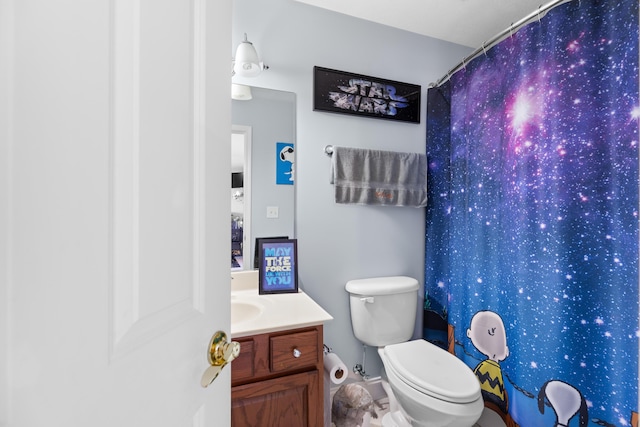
532	223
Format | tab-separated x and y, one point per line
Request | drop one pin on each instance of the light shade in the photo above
247	63
240	92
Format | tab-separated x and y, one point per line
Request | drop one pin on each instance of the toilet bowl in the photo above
432	388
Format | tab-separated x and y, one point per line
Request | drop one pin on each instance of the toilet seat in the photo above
432	371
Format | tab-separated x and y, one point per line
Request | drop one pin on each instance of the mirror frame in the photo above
278	123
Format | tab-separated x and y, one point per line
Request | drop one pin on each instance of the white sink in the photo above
243	311
252	313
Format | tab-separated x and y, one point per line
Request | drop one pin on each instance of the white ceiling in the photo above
465	22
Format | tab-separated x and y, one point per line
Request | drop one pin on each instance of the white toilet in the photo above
432	387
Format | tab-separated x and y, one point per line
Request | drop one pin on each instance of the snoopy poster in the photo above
285	160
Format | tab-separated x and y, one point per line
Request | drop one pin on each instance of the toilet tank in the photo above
383	309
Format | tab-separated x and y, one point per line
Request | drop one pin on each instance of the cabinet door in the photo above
291	400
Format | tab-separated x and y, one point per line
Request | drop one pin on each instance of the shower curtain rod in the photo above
536	15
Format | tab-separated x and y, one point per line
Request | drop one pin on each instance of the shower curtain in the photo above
532	223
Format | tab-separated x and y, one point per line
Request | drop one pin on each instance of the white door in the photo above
114	213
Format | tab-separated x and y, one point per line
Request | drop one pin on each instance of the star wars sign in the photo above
348	93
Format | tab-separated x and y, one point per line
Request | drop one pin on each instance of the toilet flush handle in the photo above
367	300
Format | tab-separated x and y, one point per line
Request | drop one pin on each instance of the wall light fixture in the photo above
247	63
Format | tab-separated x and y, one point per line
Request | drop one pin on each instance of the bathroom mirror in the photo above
262	171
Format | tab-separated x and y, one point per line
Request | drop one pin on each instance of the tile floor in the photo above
382	407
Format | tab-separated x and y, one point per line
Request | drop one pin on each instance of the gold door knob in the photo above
219	353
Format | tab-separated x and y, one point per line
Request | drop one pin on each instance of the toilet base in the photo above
395	419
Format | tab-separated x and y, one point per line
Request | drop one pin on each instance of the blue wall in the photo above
338	243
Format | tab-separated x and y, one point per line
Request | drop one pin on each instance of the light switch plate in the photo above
272	212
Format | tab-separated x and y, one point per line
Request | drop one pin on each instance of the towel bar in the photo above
328	150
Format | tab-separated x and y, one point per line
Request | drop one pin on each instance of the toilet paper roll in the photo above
336	368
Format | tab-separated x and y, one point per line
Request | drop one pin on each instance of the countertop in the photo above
272	312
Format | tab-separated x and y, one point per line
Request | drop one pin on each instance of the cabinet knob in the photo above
296	353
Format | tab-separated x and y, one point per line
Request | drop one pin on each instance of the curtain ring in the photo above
511	30
484	50
539	8
463	64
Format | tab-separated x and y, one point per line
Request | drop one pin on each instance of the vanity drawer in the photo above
293	351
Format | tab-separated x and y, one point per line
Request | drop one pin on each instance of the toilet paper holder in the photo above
335	368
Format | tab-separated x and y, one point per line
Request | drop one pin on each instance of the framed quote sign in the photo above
342	92
278	270
257	254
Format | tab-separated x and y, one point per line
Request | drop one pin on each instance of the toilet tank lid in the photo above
382	285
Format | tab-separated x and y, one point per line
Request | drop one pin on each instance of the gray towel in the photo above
374	177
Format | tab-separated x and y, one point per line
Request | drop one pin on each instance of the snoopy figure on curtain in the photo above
565	400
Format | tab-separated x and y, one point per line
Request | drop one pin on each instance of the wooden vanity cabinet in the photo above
277	380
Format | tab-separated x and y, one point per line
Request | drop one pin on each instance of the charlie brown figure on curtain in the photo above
489	336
